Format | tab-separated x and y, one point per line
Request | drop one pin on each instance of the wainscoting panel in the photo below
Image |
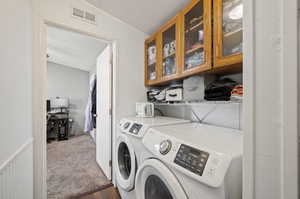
16	174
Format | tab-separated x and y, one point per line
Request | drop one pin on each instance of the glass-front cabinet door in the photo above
151	61
228	43
170	49
197	37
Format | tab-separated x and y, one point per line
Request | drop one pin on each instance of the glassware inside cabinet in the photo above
194	37
151	60
232	27
169	51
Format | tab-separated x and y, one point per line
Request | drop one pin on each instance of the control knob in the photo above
126	125
165	147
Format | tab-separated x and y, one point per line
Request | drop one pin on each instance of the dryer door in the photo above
126	163
155	181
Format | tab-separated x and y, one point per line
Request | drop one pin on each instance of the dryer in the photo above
191	161
129	149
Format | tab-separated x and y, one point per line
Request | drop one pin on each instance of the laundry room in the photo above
186	140
139	99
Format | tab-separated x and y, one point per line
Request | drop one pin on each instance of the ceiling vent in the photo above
90	17
84	15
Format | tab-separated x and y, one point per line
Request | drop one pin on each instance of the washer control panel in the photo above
191	159
135	128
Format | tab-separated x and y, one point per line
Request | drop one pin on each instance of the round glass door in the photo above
126	163
155	188
124	160
156	181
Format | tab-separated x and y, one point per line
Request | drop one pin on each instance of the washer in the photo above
129	149
191	161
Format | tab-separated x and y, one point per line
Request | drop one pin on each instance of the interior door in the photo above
104	117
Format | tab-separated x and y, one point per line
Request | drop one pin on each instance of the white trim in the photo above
289	141
39	108
249	99
39	93
16	154
115	55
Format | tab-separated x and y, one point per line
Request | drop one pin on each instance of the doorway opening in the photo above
79	113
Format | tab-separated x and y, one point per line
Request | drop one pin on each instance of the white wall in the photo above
223	114
128	74
15	85
71	83
266	103
268	113
298	96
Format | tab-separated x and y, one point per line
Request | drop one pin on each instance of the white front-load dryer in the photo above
191	161
129	149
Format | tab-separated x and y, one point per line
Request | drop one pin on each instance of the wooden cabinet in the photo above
197	37
228	32
170	53
190	44
152	66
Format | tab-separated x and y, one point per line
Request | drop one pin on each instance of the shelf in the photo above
151	64
170	55
194	49
233	38
194	27
233	32
200	102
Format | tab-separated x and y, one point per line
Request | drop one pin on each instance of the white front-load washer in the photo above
129	148
191	161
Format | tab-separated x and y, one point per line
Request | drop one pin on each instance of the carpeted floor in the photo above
72	168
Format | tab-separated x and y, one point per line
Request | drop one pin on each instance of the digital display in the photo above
135	128
191	159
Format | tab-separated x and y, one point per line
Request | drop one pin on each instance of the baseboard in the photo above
94	191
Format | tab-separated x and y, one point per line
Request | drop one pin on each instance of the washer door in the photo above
155	181
126	163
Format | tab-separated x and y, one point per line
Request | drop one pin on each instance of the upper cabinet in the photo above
193	42
170	52
152	75
228	35
197	37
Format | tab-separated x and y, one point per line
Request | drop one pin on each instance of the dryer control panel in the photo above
192	159
135	128
197	161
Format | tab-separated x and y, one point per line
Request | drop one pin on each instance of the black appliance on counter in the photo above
58	123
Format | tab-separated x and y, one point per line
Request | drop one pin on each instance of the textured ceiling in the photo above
145	15
73	49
